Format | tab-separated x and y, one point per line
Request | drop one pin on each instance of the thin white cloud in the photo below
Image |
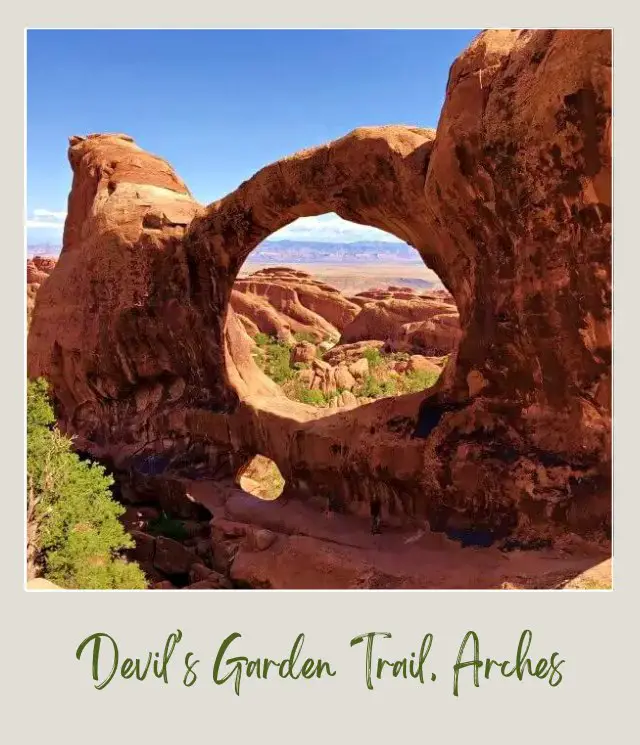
46	219
49	213
330	228
40	224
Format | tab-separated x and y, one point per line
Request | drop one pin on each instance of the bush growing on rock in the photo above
418	380
315	398
169	528
261	339
305	336
273	357
74	534
380	374
373	357
298	392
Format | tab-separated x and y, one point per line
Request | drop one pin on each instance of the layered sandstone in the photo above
510	203
427	324
282	302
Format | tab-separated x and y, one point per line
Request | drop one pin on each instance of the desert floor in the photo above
354	278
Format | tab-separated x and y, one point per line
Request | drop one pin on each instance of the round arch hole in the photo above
261	477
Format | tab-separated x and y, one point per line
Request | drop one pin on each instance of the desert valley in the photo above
429	413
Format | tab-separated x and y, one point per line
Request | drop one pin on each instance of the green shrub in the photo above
373	357
261	339
273	358
296	391
305	336
400	356
389	387
73	524
278	366
377	387
308	396
369	388
418	380
169	528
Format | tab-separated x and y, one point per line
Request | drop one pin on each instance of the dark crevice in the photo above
430	414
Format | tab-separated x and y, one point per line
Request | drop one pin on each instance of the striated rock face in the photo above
422	323
438	335
111	327
400	293
510	203
350	353
426	323
281	302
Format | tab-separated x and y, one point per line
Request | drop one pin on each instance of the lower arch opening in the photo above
261	477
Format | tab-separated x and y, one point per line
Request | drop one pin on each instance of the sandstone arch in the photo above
510	203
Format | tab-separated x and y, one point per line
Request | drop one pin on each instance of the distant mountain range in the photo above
310	252
307	252
43	249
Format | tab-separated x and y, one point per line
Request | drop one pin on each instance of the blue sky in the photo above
219	105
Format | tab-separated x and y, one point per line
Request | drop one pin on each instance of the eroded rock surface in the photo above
510	203
420	323
283	302
38	270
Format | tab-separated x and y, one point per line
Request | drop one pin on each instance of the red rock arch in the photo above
510	203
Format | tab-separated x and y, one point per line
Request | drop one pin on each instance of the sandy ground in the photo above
351	279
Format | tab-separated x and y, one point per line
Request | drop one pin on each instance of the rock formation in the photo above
509	202
281	302
38	270
419	323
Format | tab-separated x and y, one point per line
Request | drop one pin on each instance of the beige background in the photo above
48	696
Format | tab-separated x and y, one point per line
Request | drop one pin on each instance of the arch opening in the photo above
339	315
261	477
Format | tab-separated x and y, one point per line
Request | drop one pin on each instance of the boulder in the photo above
260	539
418	363
348	399
359	369
282	302
396	317
145	548
304	352
349	353
172	558
344	379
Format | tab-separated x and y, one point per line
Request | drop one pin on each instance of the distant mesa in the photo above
307	252
356	252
